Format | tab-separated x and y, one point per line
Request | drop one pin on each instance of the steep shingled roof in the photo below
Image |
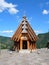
25	28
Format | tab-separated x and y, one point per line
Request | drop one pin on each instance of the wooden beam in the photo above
20	44
33	33
28	44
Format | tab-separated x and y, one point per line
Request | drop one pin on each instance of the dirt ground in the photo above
37	57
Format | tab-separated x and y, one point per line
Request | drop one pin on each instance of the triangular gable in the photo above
24	27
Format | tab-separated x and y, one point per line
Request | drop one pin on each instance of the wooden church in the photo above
24	37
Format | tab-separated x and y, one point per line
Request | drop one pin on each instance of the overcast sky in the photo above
12	11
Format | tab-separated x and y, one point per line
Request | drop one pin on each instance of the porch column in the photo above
21	45
34	46
31	46
28	45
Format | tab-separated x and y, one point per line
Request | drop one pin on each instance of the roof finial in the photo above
24	16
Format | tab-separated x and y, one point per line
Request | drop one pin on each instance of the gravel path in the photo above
38	57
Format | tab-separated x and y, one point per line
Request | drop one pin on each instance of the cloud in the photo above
13	11
6	31
11	8
45	11
47	3
38	31
48	22
18	19
30	19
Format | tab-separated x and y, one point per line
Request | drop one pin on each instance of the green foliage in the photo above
5	42
42	41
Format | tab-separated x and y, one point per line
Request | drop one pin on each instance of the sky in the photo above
12	11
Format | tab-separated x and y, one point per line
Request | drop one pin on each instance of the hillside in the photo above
6	42
43	39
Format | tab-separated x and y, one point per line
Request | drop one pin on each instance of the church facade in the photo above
24	37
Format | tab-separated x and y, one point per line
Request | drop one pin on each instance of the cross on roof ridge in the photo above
24	17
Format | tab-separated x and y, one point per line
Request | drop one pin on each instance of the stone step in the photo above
24	51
